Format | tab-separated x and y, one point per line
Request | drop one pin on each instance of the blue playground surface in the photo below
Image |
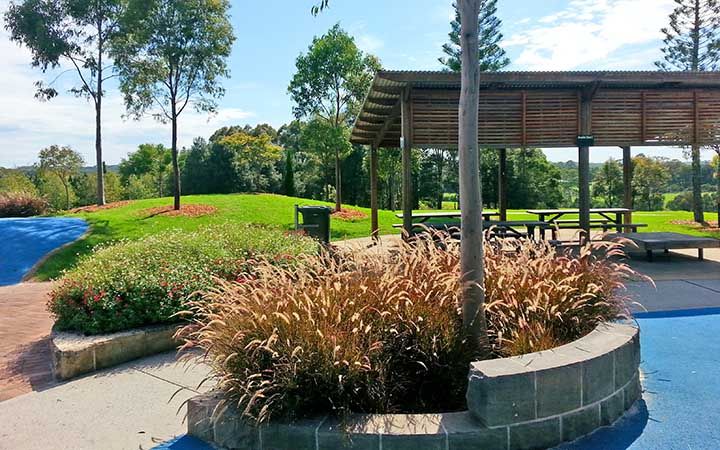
680	408
26	241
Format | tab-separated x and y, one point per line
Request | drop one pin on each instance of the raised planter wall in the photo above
533	401
75	354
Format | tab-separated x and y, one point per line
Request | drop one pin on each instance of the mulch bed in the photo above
93	208
349	214
711	224
184	211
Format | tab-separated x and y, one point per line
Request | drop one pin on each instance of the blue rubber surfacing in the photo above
24	242
680	408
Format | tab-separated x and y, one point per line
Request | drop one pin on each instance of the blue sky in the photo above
405	34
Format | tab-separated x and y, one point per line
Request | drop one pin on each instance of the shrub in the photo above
21	204
380	333
144	282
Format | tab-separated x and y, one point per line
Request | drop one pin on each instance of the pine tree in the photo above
692	43
490	55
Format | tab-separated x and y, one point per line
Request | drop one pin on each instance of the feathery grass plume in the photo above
381	332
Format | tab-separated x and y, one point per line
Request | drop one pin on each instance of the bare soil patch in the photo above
93	208
710	225
349	215
184	211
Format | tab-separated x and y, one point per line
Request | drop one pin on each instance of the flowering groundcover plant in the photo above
136	283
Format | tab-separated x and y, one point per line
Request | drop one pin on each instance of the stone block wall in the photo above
532	401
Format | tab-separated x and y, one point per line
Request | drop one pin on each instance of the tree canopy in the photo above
331	81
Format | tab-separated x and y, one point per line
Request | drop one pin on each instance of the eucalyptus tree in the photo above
491	56
73	35
172	54
692	43
330	84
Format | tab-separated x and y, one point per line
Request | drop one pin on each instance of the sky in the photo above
404	34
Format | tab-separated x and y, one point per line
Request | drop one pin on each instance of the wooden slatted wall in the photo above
550	118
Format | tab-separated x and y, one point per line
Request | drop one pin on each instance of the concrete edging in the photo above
532	401
76	354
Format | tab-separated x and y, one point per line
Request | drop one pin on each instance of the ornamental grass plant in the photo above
22	204
148	281
380	332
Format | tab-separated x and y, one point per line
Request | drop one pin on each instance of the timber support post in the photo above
406	144
502	184
374	224
627	183
585	128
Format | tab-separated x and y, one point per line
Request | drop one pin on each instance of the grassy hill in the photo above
133	220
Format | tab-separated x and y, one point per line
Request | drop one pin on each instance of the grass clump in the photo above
22	204
148	281
381	332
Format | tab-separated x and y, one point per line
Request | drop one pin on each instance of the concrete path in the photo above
135	406
24	345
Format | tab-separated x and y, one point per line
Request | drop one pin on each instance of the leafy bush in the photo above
144	282
21	204
379	333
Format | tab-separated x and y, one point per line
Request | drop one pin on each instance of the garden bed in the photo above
536	400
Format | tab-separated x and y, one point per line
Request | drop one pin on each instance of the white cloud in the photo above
369	43
589	32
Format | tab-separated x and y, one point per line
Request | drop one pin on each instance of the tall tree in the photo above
471	233
171	54
692	43
72	33
491	56
330	84
608	183
63	162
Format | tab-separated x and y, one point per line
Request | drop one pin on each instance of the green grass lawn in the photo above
131	222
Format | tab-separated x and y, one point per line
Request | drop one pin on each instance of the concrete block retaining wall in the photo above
75	354
532	401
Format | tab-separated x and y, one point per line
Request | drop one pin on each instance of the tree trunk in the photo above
440	164
717	185
66	184
698	213
338	183
98	126
176	167
696	175
471	255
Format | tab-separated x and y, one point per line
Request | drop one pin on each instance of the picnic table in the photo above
610	218
501	228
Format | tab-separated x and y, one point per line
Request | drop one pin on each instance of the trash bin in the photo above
315	221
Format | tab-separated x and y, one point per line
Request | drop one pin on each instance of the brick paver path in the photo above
25	325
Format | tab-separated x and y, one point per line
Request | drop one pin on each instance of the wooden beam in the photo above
502	184
627	182
388	122
406	144
374	223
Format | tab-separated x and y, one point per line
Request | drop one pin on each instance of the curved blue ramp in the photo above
23	242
